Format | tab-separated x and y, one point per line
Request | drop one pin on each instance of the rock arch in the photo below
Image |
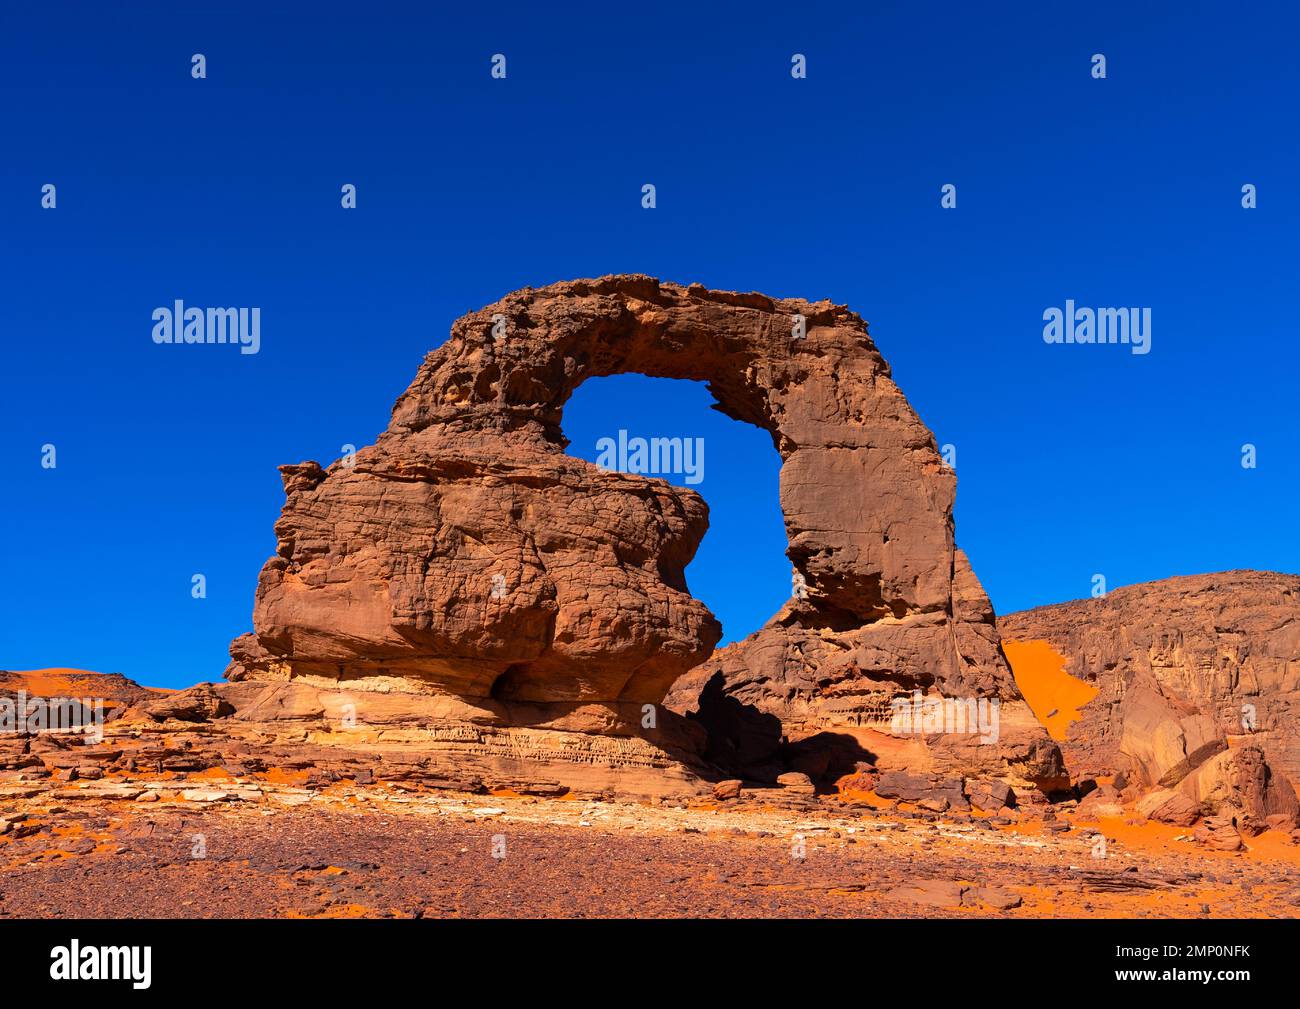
384	572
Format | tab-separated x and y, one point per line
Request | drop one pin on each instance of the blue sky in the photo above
1071	460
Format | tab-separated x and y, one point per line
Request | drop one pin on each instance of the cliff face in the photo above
465	558
1198	685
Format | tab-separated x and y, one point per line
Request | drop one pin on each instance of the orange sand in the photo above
56	682
866	797
280	776
209	774
61	681
1053	695
1162	838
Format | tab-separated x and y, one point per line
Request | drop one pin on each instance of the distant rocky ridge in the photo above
1198	683
116	691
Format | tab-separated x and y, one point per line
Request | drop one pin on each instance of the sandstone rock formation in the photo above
816	692
115	690
1198	688
499	587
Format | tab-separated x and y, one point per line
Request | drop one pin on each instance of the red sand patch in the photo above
1053	695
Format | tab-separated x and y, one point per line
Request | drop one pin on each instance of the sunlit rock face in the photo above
466	556
1197	686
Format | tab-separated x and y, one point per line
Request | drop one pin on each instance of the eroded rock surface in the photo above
465	559
299	817
1198	688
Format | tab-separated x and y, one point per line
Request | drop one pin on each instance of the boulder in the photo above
1219	833
197	704
1242	780
929	791
1168	806
988	795
729	789
796	783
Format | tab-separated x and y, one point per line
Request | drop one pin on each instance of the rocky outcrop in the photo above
825	701
290	807
1198	683
200	703
1219	833
466	561
115	690
1242	783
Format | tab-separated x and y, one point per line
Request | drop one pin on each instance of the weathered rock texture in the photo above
814	690
466	559
115	690
296	828
1199	686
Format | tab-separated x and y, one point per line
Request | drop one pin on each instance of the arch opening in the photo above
672	429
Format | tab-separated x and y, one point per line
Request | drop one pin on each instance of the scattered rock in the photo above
1169	806
1219	833
725	790
796	782
930	893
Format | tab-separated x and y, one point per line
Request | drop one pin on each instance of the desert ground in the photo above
284	842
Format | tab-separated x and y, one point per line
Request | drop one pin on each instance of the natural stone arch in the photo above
384	570
836	418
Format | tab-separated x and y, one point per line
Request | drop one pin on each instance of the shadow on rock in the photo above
749	743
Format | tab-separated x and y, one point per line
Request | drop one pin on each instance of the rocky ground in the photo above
203	844
207	802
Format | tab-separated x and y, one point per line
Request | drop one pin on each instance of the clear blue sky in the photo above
1071	460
